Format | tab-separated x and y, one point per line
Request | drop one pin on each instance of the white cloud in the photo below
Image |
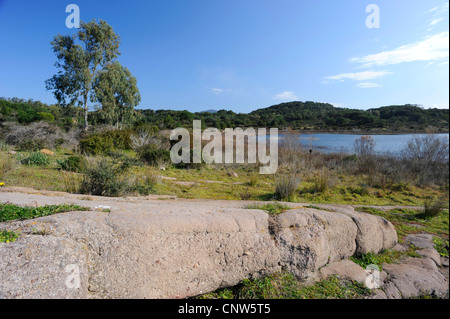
220	91
436	21
359	76
286	96
365	85
439	9
432	10
431	48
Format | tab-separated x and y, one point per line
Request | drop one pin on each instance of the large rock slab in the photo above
137	254
415	277
308	239
374	233
156	249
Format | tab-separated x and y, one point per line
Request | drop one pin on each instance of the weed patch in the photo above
14	212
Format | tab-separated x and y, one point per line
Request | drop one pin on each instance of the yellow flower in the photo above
2	184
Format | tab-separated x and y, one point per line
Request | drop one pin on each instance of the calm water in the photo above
344	142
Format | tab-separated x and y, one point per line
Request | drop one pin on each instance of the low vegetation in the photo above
7	236
271	208
387	256
14	212
410	221
285	286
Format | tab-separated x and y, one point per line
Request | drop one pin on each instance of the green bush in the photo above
105	142
153	156
123	159
36	158
433	206
30	145
286	186
44	116
102	179
145	186
72	164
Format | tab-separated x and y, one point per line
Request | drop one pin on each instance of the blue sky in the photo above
243	55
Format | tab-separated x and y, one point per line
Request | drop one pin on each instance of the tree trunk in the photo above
85	113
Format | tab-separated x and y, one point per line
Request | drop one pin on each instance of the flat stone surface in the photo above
432	254
415	277
422	241
345	269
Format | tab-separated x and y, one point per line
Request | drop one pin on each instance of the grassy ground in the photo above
409	221
215	182
285	286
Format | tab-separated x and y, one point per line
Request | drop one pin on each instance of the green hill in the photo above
308	115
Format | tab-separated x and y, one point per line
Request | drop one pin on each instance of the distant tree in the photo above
116	90
80	57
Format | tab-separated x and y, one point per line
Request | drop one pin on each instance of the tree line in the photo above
293	115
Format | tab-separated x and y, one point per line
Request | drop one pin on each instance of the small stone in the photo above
233	174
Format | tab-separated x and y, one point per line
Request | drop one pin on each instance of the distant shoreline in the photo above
358	132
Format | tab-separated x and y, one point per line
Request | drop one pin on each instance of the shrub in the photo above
322	181
146	185
30	145
96	144
433	206
427	149
36	158
364	146
44	133
105	142
123	159
103	179
72	164
285	186
7	164
43	116
154	156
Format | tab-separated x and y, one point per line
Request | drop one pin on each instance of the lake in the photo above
344	142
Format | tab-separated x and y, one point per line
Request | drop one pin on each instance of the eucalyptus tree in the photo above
80	57
116	91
